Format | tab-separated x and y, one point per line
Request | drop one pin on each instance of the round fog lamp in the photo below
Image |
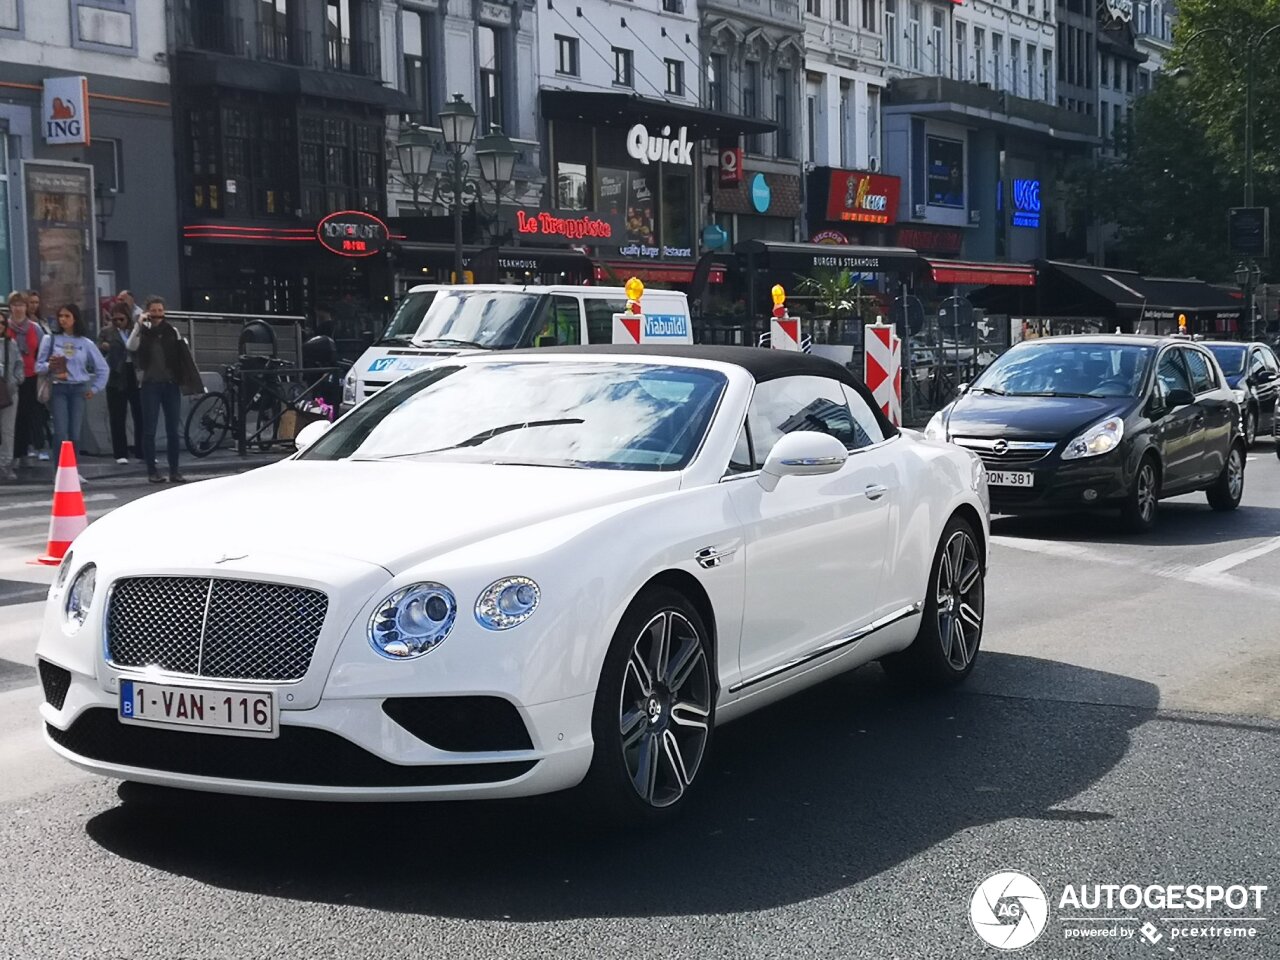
507	603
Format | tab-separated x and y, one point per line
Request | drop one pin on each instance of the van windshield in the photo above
494	319
408	317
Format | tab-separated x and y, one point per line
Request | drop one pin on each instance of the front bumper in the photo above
1066	485
340	749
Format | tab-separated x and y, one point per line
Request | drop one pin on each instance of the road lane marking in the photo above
44	521
30	504
1223	564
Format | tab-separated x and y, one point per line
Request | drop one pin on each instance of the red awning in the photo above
982	274
655	273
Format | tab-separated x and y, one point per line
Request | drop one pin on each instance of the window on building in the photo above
751	99
842	11
1015	67
1144	19
417	68
675	78
275	31
845	124
961	71
811	128
715	81
1105	120
492	75
1117	73
813	7
782	115
998	78
891	30
1031	72
1144	81
9	14
870	20
937	40
566	55
623	67
979	55
1062	58
1046	80
1131	71
913	34
1103	70
346	45
873	126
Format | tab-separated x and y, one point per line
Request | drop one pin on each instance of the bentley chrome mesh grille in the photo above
214	627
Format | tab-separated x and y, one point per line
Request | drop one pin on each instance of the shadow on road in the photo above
815	794
1183	522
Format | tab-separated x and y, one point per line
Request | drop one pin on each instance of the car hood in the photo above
389	513
1030	418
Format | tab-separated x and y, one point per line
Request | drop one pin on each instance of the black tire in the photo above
1141	505
208	423
668	720
266	424
1250	428
946	646
1227	490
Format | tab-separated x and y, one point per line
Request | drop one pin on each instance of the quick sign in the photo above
643	146
857	197
1026	203
352	233
64	110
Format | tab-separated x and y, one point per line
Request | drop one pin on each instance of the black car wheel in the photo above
944	651
1143	500
654	710
1227	490
1250	427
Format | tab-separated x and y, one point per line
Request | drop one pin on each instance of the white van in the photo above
436	321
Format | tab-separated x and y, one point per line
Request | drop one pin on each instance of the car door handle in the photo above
875	491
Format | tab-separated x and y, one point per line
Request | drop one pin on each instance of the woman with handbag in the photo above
11	377
28	431
76	372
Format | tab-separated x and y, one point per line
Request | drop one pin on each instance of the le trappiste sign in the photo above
664	148
64	110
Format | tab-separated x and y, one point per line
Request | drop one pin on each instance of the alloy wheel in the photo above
665	708
1235	473
960	600
1146	492
1250	428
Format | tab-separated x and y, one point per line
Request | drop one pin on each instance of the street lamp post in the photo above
414	151
458	122
496	155
1247	272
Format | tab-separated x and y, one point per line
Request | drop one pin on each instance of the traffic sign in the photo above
1249	230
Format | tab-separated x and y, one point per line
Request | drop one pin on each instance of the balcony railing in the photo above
348	56
943	90
211	30
284	46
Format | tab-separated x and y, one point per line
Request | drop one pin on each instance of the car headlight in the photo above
413	621
1097	440
64	568
507	603
80	597
349	388
936	429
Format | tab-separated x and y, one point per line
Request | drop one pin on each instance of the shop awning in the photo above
803	257
1152	298
1116	287
609	109
618	273
981	274
490	264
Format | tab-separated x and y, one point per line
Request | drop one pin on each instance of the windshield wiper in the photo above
998	392
484	436
396	338
1056	393
447	342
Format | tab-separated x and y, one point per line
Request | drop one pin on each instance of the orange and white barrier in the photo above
882	369
784	330
69	518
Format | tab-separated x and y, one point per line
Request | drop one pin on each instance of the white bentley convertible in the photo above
513	574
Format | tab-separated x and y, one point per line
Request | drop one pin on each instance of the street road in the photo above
1122	727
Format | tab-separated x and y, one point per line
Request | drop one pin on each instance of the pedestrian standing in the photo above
34	311
136	313
42	440
166	369
76	372
123	393
11	377
28	432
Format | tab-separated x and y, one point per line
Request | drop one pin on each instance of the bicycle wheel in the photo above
266	423
207	424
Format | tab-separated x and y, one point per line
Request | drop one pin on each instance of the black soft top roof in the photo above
763	364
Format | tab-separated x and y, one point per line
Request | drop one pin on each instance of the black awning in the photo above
491	263
338	86
1115	288
1167	298
609	109
802	257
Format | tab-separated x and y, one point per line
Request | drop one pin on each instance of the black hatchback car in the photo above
1101	421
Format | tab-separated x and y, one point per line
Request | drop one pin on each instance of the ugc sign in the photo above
64	110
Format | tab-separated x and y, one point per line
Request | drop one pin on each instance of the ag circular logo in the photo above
1009	910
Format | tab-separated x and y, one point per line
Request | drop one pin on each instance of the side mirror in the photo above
802	454
1263	376
1178	397
961	389
310	434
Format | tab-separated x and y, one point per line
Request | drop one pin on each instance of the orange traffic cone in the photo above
69	518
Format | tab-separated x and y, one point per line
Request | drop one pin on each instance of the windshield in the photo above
408	316
482	318
1064	369
623	416
1230	357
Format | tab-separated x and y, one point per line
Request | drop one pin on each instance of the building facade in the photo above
1119	63
86	150
1153	24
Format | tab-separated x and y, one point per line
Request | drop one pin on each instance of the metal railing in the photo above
212	30
351	56
280	45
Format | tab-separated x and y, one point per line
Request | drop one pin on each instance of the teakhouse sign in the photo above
64	110
664	148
